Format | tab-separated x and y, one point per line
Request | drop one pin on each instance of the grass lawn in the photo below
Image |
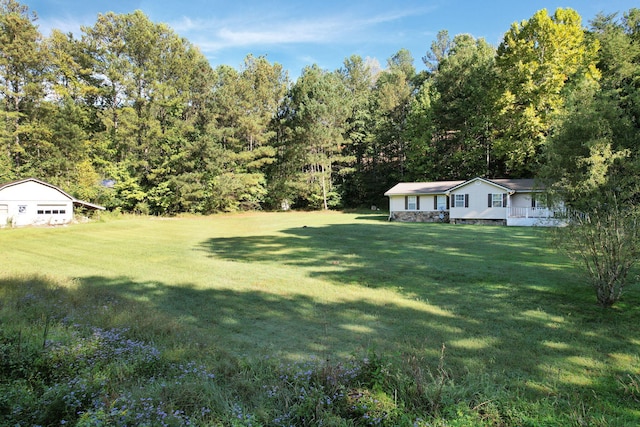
497	308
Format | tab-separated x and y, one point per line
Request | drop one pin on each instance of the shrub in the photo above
606	242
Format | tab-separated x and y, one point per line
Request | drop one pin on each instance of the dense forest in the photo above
130	115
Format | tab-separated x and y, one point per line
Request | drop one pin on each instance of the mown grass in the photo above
465	325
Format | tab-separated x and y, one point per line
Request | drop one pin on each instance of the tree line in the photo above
130	115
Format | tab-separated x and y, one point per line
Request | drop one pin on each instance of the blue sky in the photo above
300	33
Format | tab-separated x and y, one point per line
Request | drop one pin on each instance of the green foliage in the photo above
87	376
318	121
536	60
450	122
606	242
384	161
128	94
593	159
233	192
422	162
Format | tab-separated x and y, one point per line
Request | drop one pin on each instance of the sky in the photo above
296	34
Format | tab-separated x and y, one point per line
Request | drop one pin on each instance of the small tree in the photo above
606	241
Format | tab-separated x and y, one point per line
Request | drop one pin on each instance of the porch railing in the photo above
531	213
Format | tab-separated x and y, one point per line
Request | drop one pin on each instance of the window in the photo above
440	203
498	200
537	203
461	201
412	203
51	210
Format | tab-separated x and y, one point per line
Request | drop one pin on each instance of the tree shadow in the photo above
498	298
502	304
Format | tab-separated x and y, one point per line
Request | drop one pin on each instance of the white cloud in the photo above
66	25
213	35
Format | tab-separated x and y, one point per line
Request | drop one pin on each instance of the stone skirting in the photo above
479	221
434	216
419	216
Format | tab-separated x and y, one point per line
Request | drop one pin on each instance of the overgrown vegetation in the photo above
55	371
256	320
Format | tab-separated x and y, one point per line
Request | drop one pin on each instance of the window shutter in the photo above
448	205
406	203
490	200
466	200
417	203
504	200
435	203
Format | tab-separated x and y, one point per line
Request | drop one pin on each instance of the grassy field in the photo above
495	313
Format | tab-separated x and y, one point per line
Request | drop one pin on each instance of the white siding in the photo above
396	203
25	200
478	192
521	200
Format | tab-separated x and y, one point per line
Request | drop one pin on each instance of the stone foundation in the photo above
479	221
434	216
419	216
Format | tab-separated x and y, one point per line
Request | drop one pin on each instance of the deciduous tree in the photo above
536	60
594	161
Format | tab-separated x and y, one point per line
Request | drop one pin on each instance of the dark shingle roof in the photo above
441	187
436	187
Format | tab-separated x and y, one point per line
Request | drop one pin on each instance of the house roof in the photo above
73	199
443	187
410	188
525	184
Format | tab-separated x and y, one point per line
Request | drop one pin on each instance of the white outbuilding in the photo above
34	202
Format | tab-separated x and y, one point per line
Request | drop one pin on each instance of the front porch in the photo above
534	216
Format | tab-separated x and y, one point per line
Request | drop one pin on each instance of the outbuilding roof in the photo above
73	199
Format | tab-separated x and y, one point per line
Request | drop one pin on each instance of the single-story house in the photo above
475	201
34	202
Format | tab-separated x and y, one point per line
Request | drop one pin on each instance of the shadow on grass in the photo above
506	308
500	299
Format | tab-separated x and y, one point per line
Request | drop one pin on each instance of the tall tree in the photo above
390	102
536	60
151	89
23	64
463	111
246	103
316	152
594	160
73	122
424	162
595	146
359	78
440	48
